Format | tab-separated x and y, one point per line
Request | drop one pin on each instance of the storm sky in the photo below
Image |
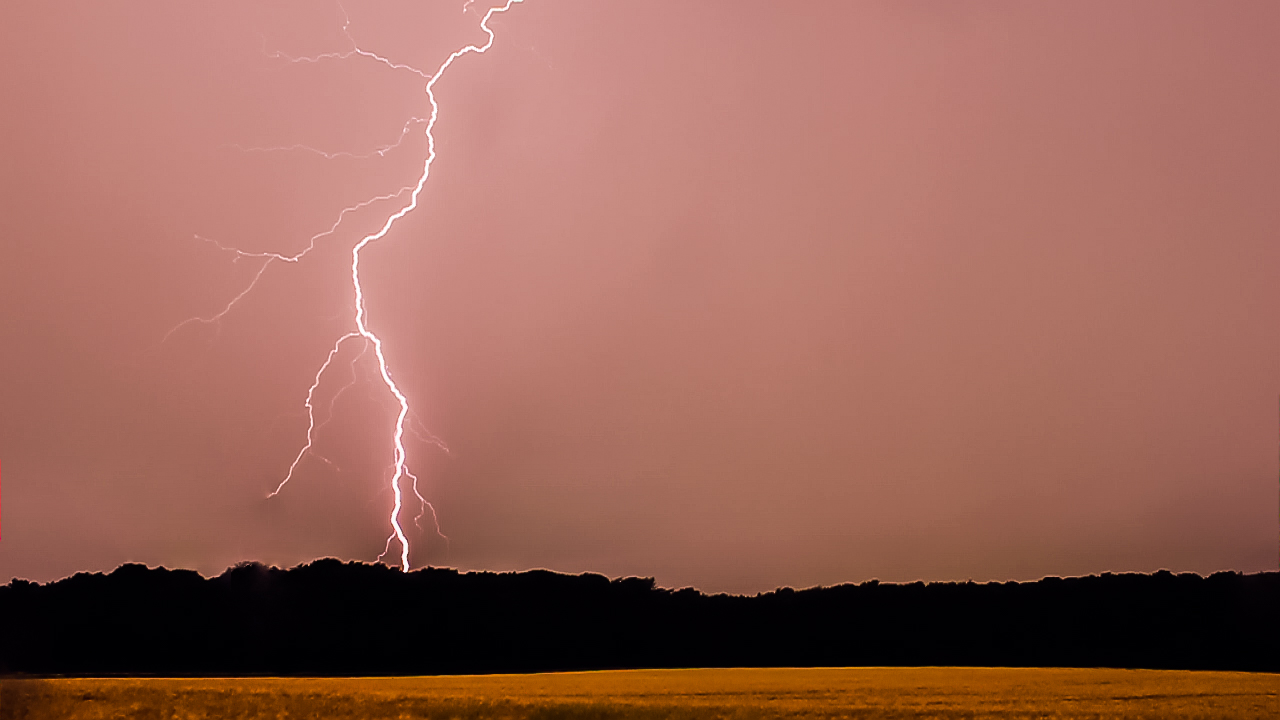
734	295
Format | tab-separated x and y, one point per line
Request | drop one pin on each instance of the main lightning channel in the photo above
361	317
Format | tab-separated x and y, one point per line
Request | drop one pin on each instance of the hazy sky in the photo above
733	294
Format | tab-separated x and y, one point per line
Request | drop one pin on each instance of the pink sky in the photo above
735	295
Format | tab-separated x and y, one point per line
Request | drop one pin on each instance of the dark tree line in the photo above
331	618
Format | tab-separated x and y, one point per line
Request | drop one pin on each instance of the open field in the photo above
739	693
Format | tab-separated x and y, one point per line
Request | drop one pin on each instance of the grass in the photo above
740	694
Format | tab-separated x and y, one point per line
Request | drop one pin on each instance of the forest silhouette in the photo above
335	618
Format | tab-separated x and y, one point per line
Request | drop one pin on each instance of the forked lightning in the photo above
361	330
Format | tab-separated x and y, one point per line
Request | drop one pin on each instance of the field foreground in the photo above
737	693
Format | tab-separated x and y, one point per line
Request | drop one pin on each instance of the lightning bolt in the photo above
270	257
357	50
311	413
401	471
380	151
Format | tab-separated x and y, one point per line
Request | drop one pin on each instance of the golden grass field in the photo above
740	693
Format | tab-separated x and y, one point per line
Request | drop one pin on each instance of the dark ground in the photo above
331	618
